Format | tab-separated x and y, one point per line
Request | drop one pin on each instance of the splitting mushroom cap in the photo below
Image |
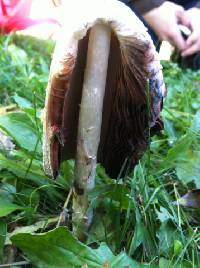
133	95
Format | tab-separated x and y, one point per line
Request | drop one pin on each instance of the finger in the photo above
184	19
191	50
193	38
180	10
179	13
177	40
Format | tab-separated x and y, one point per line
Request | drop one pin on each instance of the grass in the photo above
136	215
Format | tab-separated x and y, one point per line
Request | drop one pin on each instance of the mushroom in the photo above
104	95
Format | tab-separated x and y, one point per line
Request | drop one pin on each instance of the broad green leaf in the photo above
196	123
122	260
138	237
18	55
163	263
167	233
169	129
29	197
189	169
19	168
178	246
3	231
7	190
104	252
177	152
21	129
35	175
67	168
101	223
59	248
102	175
7	207
115	192
30	228
164	215
22	102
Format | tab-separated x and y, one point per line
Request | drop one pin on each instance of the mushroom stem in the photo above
89	128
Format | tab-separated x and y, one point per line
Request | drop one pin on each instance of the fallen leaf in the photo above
191	199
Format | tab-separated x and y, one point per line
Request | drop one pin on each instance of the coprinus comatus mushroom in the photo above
104	97
133	85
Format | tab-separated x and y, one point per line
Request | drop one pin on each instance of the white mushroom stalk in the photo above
89	127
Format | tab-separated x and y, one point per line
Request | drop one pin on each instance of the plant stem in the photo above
62	214
20	263
90	125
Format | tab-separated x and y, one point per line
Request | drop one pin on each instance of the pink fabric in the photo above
14	15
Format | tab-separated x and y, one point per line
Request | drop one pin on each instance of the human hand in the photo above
191	19
164	21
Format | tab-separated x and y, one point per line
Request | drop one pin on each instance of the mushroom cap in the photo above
133	95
